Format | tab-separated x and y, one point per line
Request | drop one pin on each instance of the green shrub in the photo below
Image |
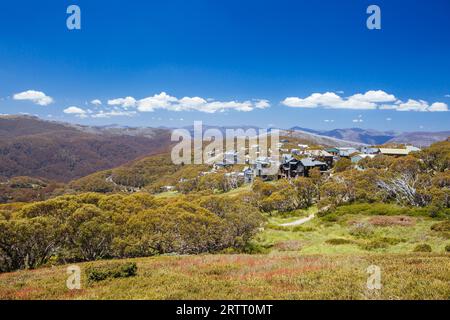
423	248
302	229
380	243
382	209
361	230
443	226
255	248
447	248
338	241
124	270
332	217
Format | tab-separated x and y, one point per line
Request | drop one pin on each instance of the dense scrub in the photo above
418	184
94	226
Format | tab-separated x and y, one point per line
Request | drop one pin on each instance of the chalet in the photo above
394	152
248	175
412	149
370	150
295	167
333	151
230	158
265	168
321	155
359	156
346	152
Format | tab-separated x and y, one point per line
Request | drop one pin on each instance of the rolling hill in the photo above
33	147
375	137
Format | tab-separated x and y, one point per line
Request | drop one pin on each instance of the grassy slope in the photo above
300	265
312	235
274	276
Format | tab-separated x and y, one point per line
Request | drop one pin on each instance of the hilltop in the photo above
57	151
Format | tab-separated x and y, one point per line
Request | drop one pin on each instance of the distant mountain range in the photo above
58	151
374	137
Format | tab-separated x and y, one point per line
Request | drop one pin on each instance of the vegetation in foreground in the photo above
391	212
274	276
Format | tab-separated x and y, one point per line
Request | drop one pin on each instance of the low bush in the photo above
332	217
447	248
423	248
250	248
338	241
383	209
361	230
302	229
443	226
88	227
380	243
289	245
123	270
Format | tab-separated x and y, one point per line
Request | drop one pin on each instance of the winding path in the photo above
298	222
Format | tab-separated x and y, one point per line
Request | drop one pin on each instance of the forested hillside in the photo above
60	152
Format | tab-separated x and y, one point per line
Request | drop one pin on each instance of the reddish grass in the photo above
385	221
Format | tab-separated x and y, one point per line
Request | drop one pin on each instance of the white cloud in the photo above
412	105
78	112
127	102
372	99
357	120
262	104
388	119
438	106
374	96
96	102
158	101
165	101
447	95
37	97
327	99
334	101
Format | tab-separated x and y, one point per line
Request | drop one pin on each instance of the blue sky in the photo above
229	63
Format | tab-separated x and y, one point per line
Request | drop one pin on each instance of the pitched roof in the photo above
308	162
319	153
394	151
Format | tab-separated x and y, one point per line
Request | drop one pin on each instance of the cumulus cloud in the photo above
332	100
164	101
438	106
158	101
374	96
373	99
37	97
262	104
327	99
73	110
127	102
96	102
